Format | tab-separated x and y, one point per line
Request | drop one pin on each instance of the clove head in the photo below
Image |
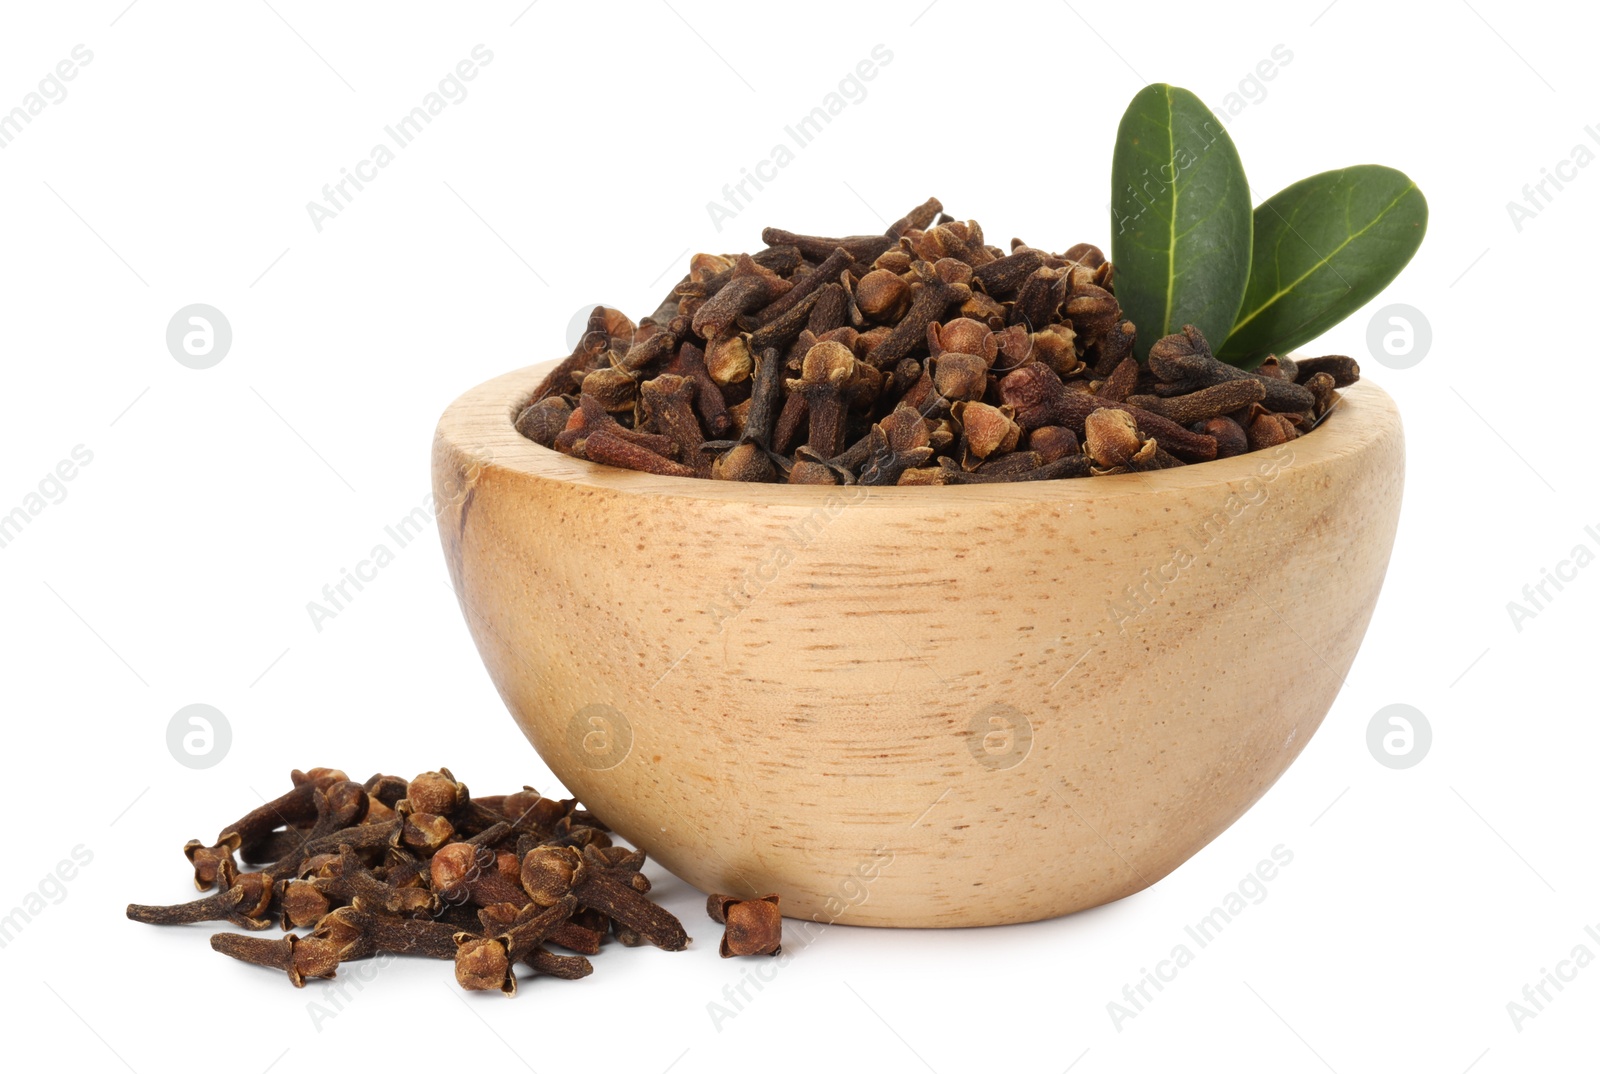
1034	394
812	473
743	462
751	926
1054	442
615	389
961	376
543	421
312	958
454	866
964	335
1056	346
426	832
213	866
882	295
531	807
1268	430
550	873
342	805
728	359
989	429
482	965
1111	437
435	792
320	778
754	928
301	904
1229	435
827	364
1182	356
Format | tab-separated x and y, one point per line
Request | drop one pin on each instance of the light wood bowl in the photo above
918	706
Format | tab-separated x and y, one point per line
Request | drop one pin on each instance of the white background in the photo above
219	502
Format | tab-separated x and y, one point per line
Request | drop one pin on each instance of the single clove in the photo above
549	874
752	926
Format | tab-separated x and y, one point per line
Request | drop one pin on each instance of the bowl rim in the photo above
480	426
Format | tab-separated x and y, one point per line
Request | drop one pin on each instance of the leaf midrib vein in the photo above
1172	225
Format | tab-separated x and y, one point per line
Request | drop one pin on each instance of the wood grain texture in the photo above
936	706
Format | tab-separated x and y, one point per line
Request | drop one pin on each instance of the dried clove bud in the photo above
744	462
753	926
246	904
1111	437
462	869
669	399
1185	357
603	446
1321	386
549	874
1344	371
824	373
213	866
483	963
426	832
1121	383
1229	435
1212	402
750	287
812	473
987	430
435	792
1052	442
300	957
883	296
1268	430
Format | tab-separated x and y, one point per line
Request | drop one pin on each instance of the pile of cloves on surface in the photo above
420	867
921	356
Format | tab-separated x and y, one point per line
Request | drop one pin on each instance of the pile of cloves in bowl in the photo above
422	867
922	356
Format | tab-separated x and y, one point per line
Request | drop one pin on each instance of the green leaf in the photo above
1180	217
1323	248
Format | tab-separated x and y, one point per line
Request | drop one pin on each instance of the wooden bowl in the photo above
925	706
